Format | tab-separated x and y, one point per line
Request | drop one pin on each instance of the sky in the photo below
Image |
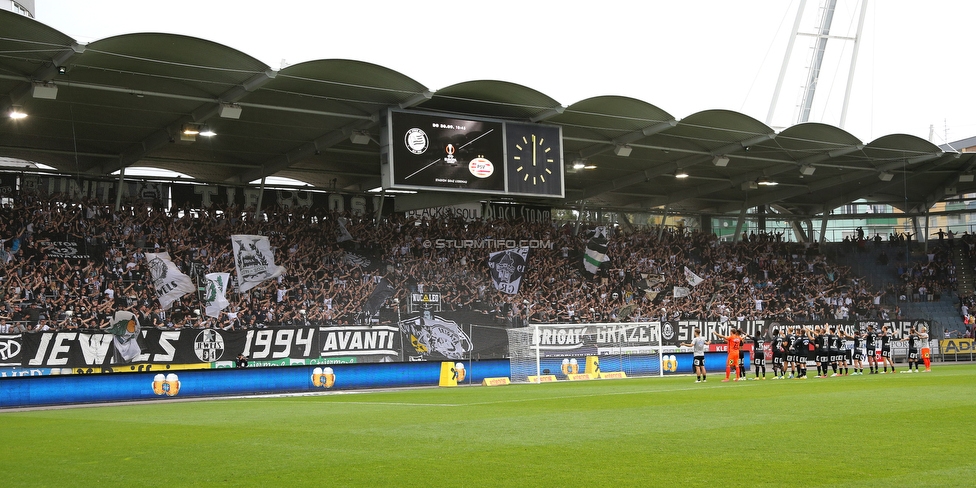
913	74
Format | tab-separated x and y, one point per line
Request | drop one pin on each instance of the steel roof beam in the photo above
627	138
646	175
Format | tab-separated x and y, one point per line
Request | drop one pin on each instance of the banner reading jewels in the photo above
427	337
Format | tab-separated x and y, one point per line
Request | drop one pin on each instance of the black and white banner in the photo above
255	261
424	337
434	337
73	250
678	331
507	269
11	346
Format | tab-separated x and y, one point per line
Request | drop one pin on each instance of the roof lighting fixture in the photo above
48	91
885	176
807	170
622	150
720	161
589	166
359	137
206	131
578	165
681	174
229	111
189	132
17	113
767	182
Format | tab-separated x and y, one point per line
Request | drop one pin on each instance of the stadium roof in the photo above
122	101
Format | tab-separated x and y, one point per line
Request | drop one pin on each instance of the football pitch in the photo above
872	430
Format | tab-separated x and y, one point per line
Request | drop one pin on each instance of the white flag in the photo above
216	297
125	328
693	279
681	291
342	234
169	281
255	261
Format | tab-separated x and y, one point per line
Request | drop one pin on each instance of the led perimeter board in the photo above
436	152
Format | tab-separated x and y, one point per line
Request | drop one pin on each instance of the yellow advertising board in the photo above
957	347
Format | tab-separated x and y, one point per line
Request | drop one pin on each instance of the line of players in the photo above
826	346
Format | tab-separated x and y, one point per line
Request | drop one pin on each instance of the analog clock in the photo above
534	159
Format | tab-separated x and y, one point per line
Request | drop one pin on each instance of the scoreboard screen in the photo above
453	153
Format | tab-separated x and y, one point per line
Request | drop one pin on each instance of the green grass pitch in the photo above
872	430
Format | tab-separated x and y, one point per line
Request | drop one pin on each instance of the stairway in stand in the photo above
964	272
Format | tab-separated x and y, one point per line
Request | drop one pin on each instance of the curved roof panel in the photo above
124	100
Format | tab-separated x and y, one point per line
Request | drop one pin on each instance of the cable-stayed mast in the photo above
821	36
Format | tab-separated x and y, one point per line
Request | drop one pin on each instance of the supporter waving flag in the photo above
596	250
124	327
216	298
169	281
255	261
507	268
383	291
342	234
693	279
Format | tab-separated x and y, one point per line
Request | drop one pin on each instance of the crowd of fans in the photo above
328	282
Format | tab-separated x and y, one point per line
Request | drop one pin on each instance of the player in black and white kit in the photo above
856	355
871	344
803	352
833	350
820	352
886	350
698	344
914	339
759	353
779	355
791	359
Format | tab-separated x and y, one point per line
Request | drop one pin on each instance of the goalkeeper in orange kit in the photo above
734	339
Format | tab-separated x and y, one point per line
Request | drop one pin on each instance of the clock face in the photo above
534	159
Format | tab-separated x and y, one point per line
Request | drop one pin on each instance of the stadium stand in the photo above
328	282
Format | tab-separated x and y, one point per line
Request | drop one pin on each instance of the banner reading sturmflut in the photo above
216	297
255	261
169	281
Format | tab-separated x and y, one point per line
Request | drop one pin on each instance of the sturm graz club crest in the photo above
667	331
433	336
158	269
251	261
507	269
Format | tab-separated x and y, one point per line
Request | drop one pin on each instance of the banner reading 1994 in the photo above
428	337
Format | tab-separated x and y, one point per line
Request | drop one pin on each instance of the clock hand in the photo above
533	149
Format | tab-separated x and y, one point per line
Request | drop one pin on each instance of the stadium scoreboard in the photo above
437	152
